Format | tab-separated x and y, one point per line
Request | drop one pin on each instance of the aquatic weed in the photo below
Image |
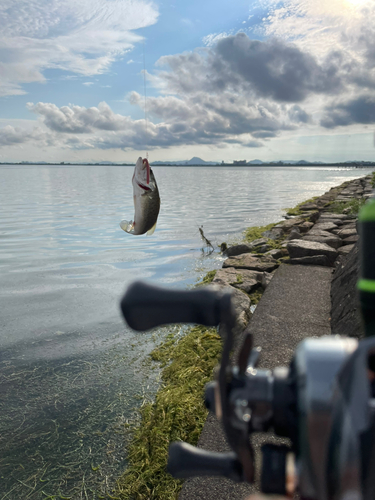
178	413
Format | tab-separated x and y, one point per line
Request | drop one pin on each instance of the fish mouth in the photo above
145	162
146	188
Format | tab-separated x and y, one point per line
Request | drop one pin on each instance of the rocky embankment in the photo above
317	236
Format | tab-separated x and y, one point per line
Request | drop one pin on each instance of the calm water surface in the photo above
71	371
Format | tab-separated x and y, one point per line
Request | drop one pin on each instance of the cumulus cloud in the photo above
82	37
200	119
78	119
358	110
271	69
17	136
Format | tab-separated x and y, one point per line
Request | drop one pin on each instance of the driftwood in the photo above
209	245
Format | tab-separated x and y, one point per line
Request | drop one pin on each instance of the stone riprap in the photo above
297	304
316	237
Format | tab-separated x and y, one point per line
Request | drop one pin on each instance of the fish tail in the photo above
127	226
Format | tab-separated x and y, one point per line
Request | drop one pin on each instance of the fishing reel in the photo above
323	402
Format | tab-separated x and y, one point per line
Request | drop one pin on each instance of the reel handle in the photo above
146	306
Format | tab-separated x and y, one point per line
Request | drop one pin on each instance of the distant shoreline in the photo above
345	165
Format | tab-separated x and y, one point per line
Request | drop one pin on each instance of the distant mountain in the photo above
255	162
194	161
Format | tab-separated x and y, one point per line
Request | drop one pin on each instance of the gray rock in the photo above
344	250
319	232
314	260
345	312
259	242
305	226
266	278
301	248
308	206
238	249
294	234
276	253
349	222
263	248
332	240
288	225
325	226
345	233
249	261
338	222
241	308
313	216
247	286
328	215
350	240
274	234
346	227
232	277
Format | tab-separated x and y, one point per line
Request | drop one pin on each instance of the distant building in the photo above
239	162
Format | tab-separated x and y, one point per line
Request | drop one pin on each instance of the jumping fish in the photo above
146	200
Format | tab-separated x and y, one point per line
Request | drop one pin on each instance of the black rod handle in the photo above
146	306
188	461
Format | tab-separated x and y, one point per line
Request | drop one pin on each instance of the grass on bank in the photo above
297	210
351	207
178	413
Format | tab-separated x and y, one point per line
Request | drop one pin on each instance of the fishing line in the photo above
145	94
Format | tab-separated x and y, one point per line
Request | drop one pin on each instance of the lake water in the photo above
71	371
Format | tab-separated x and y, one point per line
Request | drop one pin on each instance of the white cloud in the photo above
83	37
210	40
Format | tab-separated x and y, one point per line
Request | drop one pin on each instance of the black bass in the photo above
146	200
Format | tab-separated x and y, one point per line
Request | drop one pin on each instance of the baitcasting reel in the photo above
323	403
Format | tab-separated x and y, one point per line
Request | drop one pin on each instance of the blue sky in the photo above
225	80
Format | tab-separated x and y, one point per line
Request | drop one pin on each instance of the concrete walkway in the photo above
295	305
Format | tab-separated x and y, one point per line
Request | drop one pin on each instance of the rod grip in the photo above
188	461
146	306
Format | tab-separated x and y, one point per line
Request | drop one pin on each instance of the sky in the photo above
112	80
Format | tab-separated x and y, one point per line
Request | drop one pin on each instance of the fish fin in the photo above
152	230
127	226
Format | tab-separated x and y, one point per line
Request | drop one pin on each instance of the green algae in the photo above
177	413
207	279
255	232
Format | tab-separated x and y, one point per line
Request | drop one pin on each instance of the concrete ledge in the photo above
295	305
